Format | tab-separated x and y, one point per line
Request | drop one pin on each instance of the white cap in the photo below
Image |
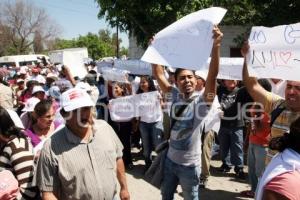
84	86
15	118
41	79
30	104
201	74
52	76
23	70
37	88
171	69
75	98
19	80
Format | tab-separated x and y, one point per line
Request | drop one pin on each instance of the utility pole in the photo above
117	34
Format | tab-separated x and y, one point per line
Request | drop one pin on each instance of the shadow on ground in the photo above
218	194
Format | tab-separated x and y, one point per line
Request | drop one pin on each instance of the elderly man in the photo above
83	159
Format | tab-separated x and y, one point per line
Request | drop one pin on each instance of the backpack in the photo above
277	111
9	186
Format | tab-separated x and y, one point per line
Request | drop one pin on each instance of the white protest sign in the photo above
275	52
125	108
187	42
122	109
113	74
101	64
231	68
73	58
149	104
137	67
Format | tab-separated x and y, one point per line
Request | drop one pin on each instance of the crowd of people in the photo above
59	141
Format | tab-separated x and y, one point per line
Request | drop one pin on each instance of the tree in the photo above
145	18
22	21
38	42
101	45
124	51
104	35
141	18
3	39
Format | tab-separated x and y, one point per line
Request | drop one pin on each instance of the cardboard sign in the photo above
187	43
275	52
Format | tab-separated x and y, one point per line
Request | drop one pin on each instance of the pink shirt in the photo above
286	184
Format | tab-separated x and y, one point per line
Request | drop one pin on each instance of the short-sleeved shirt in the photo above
262	133
283	121
286	184
185	137
6	97
231	104
74	169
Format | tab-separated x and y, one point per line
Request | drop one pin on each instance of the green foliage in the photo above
101	45
145	18
123	51
141	18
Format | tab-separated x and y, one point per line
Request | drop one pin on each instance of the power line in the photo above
69	9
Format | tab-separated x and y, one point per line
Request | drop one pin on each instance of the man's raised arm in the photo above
257	92
158	73
211	80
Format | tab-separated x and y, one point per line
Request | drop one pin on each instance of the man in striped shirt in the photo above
83	160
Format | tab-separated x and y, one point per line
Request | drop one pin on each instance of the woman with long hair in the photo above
123	128
281	178
16	155
151	127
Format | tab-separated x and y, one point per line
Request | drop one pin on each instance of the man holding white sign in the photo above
182	165
283	112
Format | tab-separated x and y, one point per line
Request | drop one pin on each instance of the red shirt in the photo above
262	132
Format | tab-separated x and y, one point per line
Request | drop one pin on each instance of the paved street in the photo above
220	186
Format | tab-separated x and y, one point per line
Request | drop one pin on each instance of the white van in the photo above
20	60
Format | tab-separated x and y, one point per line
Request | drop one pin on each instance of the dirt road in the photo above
220	186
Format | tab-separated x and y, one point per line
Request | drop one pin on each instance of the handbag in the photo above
9	186
155	174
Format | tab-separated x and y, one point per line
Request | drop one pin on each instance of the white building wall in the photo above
230	32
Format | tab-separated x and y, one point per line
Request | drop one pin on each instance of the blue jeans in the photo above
256	163
151	134
187	177
231	140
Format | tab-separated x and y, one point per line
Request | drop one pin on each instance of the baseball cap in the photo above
75	98
30	104
52	76
37	88
23	70
201	74
19	80
15	118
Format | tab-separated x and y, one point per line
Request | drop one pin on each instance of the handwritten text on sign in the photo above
275	52
139	105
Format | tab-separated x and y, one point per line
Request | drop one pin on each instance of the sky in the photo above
77	17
